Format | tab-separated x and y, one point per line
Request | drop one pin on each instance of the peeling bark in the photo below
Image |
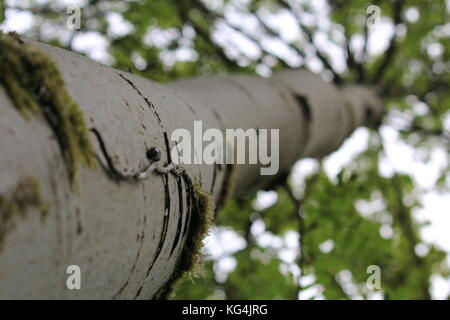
132	238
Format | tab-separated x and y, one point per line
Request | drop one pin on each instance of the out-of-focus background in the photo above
381	200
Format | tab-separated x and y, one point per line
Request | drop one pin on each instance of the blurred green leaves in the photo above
362	218
2	11
258	276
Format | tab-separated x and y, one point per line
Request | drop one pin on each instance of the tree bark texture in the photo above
127	235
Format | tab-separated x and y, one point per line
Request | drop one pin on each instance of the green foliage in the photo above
330	213
357	240
200	288
258	276
2	11
236	214
281	217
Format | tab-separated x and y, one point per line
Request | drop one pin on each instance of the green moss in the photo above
202	217
201	222
36	87
15	204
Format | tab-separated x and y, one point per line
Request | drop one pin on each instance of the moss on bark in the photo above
201	220
36	87
16	203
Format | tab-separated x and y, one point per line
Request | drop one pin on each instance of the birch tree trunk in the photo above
128	235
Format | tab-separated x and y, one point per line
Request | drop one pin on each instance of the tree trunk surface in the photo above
127	235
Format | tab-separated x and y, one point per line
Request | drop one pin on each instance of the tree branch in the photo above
336	77
388	58
204	35
216	16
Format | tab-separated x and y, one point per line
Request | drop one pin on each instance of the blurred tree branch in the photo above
397	8
336	77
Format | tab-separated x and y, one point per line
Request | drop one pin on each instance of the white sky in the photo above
399	156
